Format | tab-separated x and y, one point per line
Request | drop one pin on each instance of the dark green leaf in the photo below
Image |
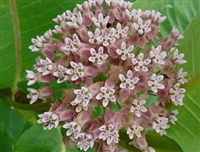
21	21
12	124
36	139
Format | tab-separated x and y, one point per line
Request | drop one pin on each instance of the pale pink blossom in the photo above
125	52
49	120
134	130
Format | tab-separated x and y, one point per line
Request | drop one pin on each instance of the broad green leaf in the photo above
12	124
187	127
178	12
191	47
36	139
21	21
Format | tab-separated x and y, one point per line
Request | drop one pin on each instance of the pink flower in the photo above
49	119
134	130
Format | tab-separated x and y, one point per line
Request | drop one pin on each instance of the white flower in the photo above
177	94
60	18
70	14
82	99
77	71
33	94
62	74
157	55
44	66
109	134
178	58
73	128
93	38
37	44
160	124
128	82
76	20
100	22
71	45
97	56
31	77
142	27
85	141
47	35
137	107
134	14
121	33
125	52
172	116
49	119
134	130
154	84
107	36
107	95
181	76
141	64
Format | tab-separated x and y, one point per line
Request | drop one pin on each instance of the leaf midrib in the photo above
17	43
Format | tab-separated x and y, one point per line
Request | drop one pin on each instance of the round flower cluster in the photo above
117	62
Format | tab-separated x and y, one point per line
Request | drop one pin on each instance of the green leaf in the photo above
36	139
187	127
178	12
21	21
190	46
12	124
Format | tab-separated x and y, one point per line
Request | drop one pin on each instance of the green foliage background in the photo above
21	20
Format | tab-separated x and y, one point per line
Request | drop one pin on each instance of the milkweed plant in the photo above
116	60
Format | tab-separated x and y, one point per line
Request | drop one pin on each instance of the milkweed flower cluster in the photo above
117	62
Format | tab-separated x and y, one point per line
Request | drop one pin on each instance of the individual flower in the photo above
134	130
73	128
154	82
141	64
172	116
178	58
109	134
107	95
85	141
157	55
142	27
128	82
97	57
37	44
94	37
49	119
137	107
107	37
160	124
180	76
177	94
82	99
100	22
33	95
61	74
125	52
76	71
71	45
31	76
42	93
121	33
44	66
